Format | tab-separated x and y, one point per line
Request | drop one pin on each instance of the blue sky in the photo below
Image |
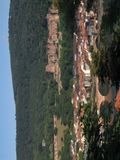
7	106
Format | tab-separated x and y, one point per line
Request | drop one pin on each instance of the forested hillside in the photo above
34	89
27	38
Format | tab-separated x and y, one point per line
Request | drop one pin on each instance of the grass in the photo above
60	134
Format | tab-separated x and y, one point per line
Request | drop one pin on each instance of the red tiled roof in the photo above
117	103
50	68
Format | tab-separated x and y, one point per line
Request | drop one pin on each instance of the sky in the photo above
7	106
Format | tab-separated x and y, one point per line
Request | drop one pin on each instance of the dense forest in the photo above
107	60
28	38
